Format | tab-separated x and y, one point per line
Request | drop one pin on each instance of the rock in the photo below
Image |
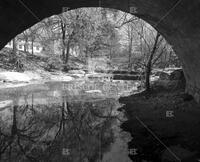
170	78
163	75
170	74
177	75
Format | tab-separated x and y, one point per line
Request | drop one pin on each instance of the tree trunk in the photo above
129	57
130	35
63	29
26	45
63	48
14	52
67	52
149	65
14	46
32	47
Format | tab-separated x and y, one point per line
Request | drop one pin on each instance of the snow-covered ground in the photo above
17	79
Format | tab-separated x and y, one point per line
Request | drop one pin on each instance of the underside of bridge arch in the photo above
177	20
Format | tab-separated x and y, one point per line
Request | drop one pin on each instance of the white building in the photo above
37	47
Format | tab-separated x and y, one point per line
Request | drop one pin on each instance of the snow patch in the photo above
14	77
61	78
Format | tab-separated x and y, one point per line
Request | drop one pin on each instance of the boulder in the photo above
170	79
177	75
163	75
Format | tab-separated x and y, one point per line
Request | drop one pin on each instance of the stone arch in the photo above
177	20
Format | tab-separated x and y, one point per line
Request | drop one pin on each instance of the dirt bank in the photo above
165	126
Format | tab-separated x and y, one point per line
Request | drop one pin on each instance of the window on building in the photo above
20	46
37	48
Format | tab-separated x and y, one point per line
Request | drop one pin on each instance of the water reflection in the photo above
54	126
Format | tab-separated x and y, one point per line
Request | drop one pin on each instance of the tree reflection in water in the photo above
68	131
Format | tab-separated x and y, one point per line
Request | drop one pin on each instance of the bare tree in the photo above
149	63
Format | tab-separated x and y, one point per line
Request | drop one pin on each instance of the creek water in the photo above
64	121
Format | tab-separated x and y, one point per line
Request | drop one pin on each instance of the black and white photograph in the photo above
99	80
